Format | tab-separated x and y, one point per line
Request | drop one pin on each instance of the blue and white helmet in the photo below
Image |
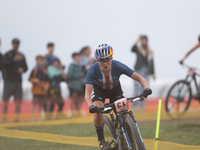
103	51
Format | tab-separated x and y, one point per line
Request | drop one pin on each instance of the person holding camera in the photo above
144	65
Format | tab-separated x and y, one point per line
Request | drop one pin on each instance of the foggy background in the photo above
172	28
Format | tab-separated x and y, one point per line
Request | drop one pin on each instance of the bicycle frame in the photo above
120	121
192	77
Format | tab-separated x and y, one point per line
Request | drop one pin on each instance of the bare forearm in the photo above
88	91
143	82
88	99
140	79
64	76
188	54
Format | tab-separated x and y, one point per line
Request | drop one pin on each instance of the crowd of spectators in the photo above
49	72
45	77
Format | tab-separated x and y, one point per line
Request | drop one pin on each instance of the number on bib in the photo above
121	105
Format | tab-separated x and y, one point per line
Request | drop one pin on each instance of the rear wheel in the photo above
133	134
109	132
178	99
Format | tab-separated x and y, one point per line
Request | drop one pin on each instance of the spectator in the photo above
1	65
56	75
1	61
50	48
85	62
74	83
144	64
48	56
14	65
1	58
38	78
85	57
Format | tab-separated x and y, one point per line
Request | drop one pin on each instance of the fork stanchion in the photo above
157	125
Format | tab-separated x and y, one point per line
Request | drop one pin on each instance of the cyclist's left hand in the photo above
93	109
147	92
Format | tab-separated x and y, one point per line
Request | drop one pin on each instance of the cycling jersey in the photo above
96	76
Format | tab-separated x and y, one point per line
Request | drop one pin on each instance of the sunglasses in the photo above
105	60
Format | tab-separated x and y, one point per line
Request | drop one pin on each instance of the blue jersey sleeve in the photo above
89	78
124	69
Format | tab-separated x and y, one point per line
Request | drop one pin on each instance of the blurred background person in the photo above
190	51
39	79
86	61
1	66
144	65
1	58
14	64
74	80
56	76
50	48
48	58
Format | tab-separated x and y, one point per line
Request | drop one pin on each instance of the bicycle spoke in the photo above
179	88
177	107
173	105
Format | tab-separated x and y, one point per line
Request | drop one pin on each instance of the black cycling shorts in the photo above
99	94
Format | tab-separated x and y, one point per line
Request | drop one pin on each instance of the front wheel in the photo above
109	132
133	134
178	99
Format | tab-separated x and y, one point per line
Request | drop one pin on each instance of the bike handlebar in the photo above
108	107
187	66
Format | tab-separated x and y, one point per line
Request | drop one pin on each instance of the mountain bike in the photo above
122	132
180	94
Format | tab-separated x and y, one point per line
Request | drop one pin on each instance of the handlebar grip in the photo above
103	109
100	108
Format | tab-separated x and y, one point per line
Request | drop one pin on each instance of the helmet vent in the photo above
103	51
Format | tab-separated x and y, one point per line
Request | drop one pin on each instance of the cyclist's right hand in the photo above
93	109
181	62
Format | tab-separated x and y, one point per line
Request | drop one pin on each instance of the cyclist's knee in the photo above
98	103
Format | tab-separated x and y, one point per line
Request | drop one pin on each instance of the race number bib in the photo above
121	105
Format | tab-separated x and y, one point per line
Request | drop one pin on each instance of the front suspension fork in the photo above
137	128
125	135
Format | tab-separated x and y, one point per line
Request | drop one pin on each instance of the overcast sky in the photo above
171	25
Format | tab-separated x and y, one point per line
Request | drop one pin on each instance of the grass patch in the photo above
21	144
185	132
182	132
79	130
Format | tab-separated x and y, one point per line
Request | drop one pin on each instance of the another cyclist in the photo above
194	48
103	82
